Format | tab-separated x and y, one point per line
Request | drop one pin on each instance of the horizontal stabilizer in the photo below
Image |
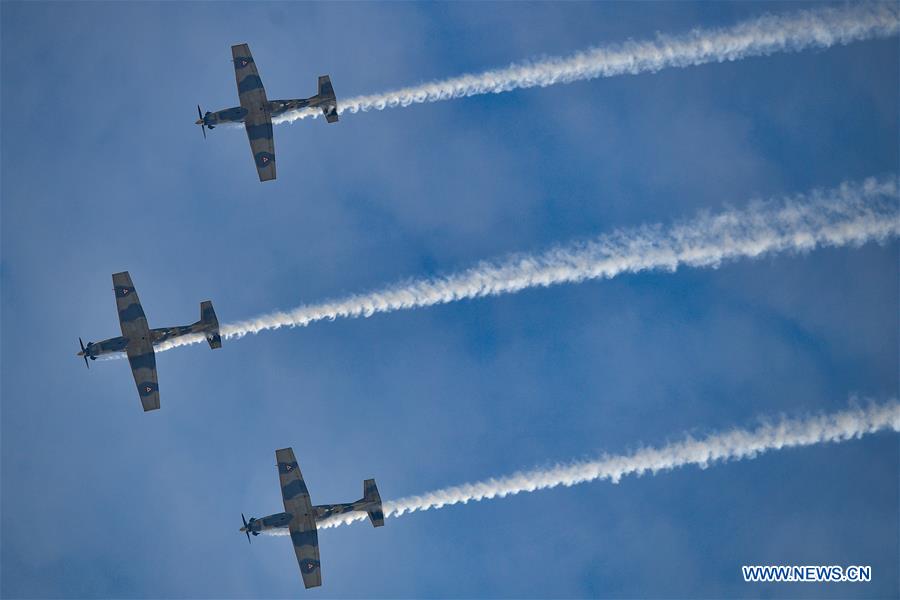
328	102
210	324
371	496
326	90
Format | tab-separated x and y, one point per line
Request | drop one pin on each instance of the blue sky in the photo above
102	170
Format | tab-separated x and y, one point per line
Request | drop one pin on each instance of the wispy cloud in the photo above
849	215
762	36
737	444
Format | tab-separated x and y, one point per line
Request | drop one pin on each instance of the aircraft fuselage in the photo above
237	114
159	335
282	520
277	521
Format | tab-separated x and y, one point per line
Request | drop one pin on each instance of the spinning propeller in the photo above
84	353
246	528
201	121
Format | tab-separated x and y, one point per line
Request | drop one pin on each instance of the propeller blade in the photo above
202	122
84	354
246	528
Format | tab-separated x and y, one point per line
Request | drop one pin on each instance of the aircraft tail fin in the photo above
210	324
326	93
373	498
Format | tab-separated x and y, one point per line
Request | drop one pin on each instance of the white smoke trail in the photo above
851	214
762	36
737	444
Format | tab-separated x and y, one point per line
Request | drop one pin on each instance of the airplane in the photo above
256	111
300	516
137	339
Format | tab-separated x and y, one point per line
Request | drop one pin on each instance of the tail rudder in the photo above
373	498
326	94
210	324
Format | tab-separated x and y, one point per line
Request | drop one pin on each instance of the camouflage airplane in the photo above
300	516
137	339
256	111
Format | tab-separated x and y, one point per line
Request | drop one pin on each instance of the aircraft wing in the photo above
303	523
143	368
140	345
258	121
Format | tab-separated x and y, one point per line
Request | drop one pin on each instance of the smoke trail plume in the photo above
851	214
737	444
762	36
